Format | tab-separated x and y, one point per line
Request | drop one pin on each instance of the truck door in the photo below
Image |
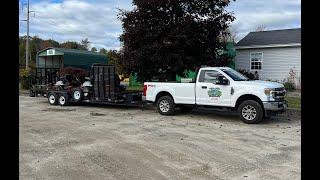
210	92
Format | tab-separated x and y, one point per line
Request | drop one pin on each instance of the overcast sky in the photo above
96	20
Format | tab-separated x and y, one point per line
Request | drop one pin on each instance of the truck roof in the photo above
213	68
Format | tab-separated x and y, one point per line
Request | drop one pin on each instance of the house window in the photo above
256	60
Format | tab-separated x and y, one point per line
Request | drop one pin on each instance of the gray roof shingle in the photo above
284	36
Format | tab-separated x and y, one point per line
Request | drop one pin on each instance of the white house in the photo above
273	54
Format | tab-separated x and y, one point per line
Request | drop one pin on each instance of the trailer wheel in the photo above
165	105
52	98
63	100
250	112
77	95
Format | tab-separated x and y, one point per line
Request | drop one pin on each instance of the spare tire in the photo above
77	95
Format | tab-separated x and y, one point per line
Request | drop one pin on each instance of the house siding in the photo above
276	63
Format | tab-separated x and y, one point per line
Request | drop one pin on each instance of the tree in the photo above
22	54
230	35
94	49
170	36
85	44
48	43
114	58
103	51
53	43
71	45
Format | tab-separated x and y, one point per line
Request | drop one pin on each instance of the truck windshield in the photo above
236	76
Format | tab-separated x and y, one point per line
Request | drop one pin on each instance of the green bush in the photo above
24	79
289	86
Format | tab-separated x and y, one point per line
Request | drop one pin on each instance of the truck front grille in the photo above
279	94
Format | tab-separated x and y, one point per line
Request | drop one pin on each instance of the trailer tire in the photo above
77	95
53	98
63	99
251	112
166	106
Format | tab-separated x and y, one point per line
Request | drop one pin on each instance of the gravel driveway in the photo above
107	142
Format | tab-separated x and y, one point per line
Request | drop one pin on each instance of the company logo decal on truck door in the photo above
214	92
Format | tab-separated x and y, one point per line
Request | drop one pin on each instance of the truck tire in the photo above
186	109
63	99
53	98
77	95
165	105
250	112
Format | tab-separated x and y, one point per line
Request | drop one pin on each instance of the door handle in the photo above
204	87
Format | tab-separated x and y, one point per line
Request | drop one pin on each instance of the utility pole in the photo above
27	42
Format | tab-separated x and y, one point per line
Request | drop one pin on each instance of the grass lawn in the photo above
294	102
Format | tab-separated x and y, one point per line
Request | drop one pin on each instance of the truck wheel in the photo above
52	98
63	100
186	109
250	112
77	95
165	105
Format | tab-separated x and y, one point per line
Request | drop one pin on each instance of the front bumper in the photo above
275	106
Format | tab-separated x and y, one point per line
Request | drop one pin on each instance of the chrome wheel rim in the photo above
52	99
76	95
164	106
249	112
62	100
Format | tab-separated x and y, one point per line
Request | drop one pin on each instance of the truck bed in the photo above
183	93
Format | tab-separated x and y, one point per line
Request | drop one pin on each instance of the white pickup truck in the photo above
219	87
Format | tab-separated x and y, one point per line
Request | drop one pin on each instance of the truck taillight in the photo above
145	87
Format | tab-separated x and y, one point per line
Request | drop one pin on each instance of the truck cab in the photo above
219	87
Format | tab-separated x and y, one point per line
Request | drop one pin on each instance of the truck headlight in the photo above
267	91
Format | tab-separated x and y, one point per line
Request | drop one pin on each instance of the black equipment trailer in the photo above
102	88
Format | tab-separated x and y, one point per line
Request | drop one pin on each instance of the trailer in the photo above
102	87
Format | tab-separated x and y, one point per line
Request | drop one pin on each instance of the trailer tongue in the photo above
103	87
